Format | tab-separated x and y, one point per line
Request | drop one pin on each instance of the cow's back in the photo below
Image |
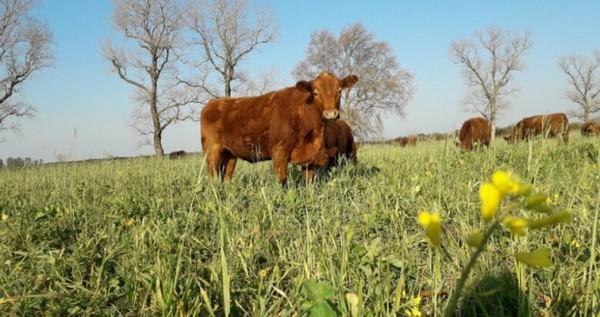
240	125
552	124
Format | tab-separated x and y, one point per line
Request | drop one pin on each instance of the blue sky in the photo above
84	109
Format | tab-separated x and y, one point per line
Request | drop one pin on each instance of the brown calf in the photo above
339	142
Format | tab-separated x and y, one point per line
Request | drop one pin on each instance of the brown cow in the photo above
475	131
406	141
286	126
553	124
339	142
177	154
590	128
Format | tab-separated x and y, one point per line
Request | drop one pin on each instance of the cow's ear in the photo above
304	85
349	81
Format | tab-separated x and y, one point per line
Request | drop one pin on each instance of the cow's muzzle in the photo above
331	114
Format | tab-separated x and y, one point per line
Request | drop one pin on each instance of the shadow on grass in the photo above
495	295
348	168
325	175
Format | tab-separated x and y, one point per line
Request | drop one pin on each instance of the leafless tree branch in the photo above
384	85
152	65
489	77
227	31
25	48
583	75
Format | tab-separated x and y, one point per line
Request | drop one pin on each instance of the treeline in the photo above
18	162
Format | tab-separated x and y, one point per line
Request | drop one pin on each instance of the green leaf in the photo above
537	202
39	215
551	220
475	239
394	261
322	309
317	291
537	258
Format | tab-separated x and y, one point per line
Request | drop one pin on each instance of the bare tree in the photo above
488	63
261	84
384	86
151	65
227	31
584	77
24	49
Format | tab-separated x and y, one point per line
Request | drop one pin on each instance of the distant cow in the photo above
590	128
475	131
406	141
552	125
177	154
339	142
286	126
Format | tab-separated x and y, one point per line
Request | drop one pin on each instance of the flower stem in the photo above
453	302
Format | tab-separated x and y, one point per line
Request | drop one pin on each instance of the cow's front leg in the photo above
280	162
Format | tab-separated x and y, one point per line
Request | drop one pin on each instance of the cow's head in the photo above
325	93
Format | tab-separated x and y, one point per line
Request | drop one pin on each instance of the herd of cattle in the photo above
301	125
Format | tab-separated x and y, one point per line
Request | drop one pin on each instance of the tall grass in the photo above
154	237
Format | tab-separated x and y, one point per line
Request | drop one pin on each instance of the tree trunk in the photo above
586	114
493	121
227	80
158	149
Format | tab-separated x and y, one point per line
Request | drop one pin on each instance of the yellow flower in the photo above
538	258
263	273
412	312
506	182
417	189
551	220
490	200
575	244
128	222
416	301
516	225
4	217
431	222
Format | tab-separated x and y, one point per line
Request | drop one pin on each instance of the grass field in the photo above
153	237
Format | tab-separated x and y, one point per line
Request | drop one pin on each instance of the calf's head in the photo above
325	93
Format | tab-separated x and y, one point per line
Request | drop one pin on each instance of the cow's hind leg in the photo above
227	165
